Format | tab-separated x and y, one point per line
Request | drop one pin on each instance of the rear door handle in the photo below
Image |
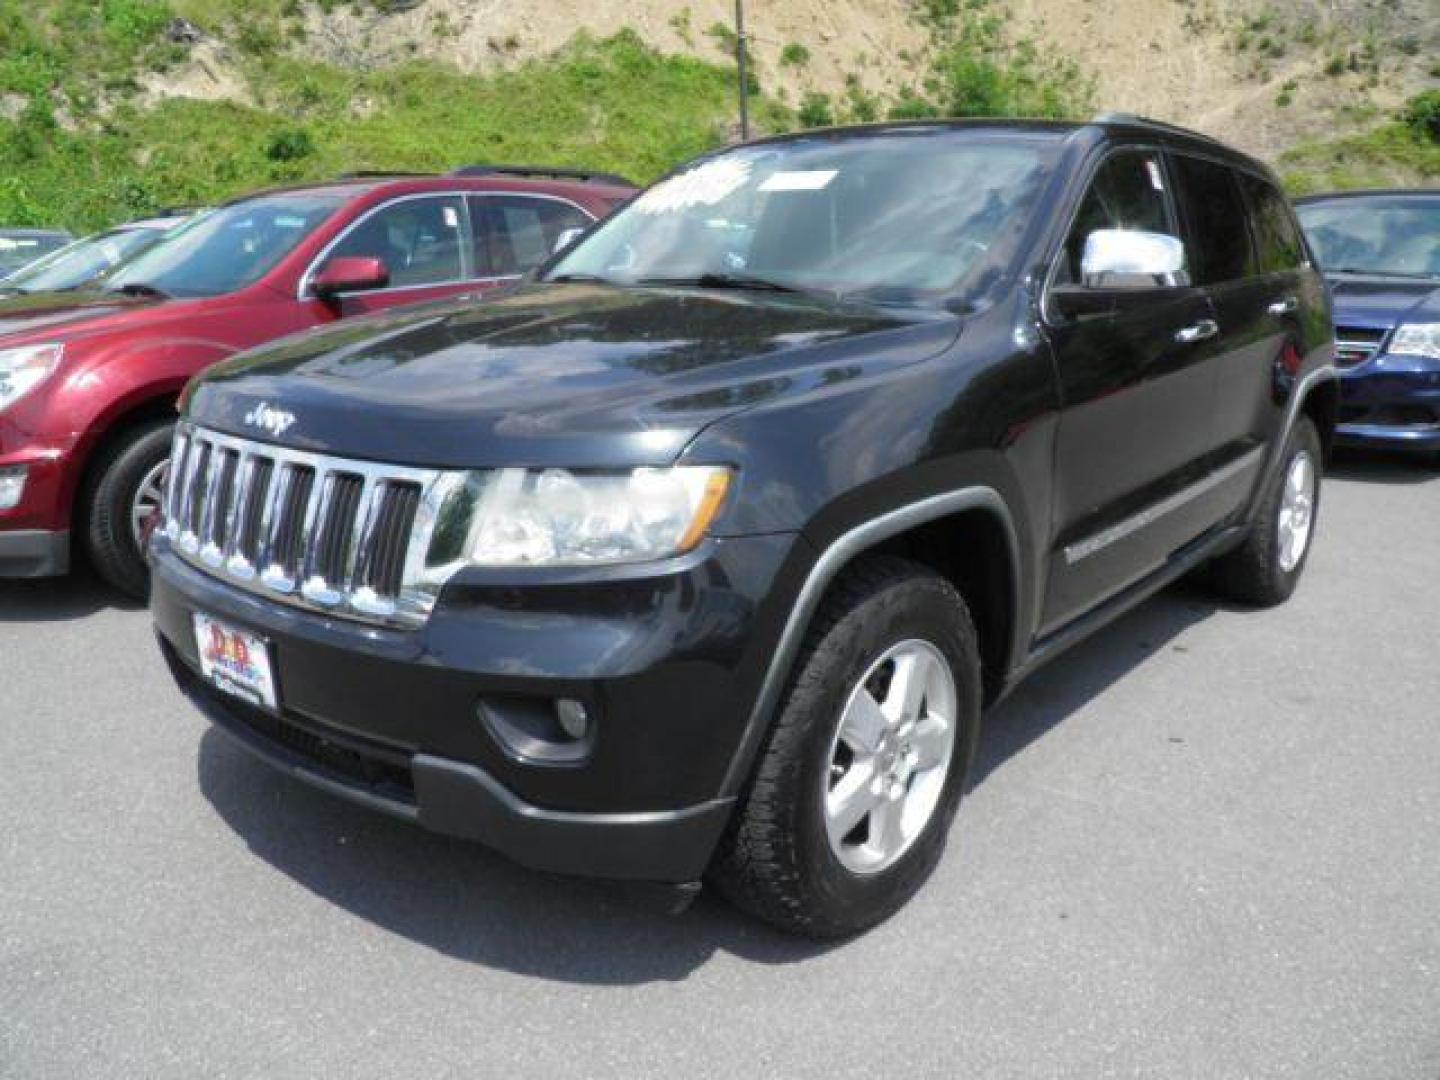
1205	328
1288	306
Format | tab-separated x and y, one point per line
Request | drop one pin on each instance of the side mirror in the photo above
1132	259
565	239
350	273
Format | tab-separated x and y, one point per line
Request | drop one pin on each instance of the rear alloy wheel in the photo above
125	488
1265	569
855	790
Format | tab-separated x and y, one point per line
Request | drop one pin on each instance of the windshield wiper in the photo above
1358	272
139	288
569	279
722	281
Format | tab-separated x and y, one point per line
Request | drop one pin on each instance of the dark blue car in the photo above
1380	251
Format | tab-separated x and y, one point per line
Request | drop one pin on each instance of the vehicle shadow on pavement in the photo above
471	904
1375	466
1073	679
464	901
59	599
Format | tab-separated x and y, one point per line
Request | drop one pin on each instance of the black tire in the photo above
776	861
114	482
1253	573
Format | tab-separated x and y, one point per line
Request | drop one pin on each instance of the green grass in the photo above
85	152
611	104
1394	154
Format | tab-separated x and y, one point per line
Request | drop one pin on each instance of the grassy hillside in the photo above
102	120
112	108
92	152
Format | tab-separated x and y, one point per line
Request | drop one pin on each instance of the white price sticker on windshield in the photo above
807	180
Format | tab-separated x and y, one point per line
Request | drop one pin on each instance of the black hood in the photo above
1381	303
574	375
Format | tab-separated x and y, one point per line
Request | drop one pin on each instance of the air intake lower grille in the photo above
1354	345
331	534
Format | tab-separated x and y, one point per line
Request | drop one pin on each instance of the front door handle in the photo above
1288	306
1205	328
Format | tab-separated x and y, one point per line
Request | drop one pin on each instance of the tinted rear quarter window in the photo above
1277	240
1219	242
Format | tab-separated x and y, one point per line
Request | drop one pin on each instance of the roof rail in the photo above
587	176
167	211
1135	120
379	174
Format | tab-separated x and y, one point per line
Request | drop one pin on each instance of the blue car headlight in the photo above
1417	339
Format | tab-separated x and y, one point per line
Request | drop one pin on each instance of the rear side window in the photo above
515	234
1127	192
1219	241
1277	240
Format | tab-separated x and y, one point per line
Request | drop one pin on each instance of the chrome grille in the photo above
331	534
1354	346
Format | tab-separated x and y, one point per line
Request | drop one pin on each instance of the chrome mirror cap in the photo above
1132	259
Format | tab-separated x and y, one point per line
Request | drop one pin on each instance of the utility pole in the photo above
740	63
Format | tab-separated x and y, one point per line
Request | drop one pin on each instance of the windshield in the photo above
903	218
1398	237
18	250
228	248
83	261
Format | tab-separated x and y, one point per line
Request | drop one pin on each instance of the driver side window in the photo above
421	241
1127	193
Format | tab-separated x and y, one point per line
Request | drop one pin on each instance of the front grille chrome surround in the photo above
336	535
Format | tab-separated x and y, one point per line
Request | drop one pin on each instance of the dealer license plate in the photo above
236	662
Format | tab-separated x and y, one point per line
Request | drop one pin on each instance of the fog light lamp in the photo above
12	485
573	717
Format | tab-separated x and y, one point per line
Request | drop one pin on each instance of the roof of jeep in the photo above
1369	193
1103	125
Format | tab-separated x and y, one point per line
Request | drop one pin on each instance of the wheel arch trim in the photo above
838	554
1298	401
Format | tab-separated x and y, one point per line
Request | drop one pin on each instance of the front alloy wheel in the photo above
890	757
149	496
126	484
851	801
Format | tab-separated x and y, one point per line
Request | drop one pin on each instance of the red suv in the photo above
89	381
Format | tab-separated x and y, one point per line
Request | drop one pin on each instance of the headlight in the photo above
1417	339
22	369
555	517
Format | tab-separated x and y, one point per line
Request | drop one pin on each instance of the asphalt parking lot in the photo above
1204	844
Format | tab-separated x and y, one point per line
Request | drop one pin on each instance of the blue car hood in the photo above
1381	303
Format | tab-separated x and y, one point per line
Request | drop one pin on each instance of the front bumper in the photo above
1391	402
34	553
668	663
34	534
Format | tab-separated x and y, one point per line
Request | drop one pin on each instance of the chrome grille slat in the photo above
178	452
194	464
235	518
342	536
219	485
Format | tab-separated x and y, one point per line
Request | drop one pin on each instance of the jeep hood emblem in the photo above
270	419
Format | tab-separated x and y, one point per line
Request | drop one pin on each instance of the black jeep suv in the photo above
699	554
